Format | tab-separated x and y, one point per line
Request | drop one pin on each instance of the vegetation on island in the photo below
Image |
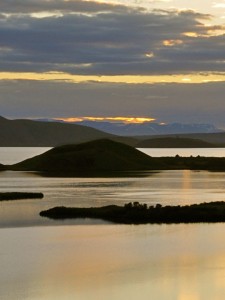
19	195
136	213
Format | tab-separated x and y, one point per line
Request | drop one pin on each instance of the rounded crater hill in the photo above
98	155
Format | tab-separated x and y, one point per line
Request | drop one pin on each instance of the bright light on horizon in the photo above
138	120
126	79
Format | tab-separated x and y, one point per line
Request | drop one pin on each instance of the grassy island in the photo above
109	156
136	213
19	195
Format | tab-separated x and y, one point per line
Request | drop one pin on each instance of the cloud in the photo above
34	6
219	4
87	37
193	103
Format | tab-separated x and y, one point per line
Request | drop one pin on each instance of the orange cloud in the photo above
111	119
170	43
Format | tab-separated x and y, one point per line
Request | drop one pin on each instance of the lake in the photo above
86	259
186	152
11	155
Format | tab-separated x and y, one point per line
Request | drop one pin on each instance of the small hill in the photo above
28	133
99	155
174	142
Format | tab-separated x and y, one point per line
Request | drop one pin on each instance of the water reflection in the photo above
166	187
106	261
186	152
100	174
114	262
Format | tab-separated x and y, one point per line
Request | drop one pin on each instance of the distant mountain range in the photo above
49	133
146	128
174	142
28	133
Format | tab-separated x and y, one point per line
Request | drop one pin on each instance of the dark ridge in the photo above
136	213
174	142
19	196
217	139
28	133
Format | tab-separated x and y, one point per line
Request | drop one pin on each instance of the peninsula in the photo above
136	213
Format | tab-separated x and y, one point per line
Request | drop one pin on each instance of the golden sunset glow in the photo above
138	120
131	58
170	43
149	55
127	79
191	34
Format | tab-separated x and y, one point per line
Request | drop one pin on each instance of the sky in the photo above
159	60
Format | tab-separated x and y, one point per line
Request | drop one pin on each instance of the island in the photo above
105	155
95	156
136	213
19	195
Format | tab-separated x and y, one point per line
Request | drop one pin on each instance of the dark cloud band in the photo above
87	37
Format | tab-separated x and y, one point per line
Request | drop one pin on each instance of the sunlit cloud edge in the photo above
126	79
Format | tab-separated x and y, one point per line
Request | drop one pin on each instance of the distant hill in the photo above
99	155
174	142
28	133
216	139
146	128
149	128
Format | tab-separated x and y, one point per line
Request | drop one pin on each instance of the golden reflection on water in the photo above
186	184
186	179
165	262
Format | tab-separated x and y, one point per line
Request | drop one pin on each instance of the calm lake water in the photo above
209	152
86	259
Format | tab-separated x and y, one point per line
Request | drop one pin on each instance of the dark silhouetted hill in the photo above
28	133
216	139
107	156
99	155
